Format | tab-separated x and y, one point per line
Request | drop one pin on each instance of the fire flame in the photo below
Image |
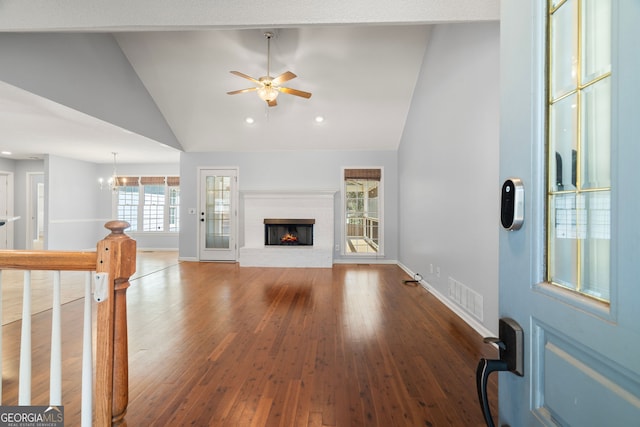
289	238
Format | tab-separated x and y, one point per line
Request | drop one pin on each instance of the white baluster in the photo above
86	411
24	385
55	373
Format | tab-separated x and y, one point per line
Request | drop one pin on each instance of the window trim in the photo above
169	181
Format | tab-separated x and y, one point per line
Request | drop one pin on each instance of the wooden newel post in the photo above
117	257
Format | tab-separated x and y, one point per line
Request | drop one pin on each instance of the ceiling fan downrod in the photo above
268	35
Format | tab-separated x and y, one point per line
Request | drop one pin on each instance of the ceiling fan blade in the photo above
295	92
284	77
272	103
251	89
244	76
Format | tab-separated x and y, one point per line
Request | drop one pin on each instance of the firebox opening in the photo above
288	232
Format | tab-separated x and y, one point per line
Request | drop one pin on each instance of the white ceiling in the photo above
33	126
362	78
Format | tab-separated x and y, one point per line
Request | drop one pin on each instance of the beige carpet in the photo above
72	284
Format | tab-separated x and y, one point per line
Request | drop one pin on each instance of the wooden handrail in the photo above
48	260
115	255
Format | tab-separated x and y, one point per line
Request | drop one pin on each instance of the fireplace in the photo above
288	232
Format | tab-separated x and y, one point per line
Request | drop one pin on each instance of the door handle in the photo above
511	346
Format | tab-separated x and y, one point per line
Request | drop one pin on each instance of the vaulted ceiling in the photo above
362	79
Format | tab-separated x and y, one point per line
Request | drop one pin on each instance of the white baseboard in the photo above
477	326
356	260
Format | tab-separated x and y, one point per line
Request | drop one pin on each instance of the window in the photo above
149	204
128	197
579	146
173	182
362	211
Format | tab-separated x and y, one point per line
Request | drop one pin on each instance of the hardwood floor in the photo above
213	344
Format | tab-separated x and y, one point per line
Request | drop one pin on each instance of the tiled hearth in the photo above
258	205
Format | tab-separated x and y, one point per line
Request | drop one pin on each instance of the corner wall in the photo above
448	172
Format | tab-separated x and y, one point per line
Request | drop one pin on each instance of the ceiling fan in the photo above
269	87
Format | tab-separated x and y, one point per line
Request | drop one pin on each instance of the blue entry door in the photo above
582	352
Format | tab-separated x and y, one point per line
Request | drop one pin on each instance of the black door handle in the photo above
511	345
486	367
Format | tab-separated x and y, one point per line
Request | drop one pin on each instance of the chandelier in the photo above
114	181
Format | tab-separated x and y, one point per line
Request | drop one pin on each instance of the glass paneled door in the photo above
569	277
218	214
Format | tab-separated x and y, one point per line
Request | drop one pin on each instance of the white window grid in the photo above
149	208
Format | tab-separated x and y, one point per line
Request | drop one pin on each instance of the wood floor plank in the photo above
220	345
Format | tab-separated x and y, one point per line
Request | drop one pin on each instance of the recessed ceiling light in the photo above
6	153
319	119
249	120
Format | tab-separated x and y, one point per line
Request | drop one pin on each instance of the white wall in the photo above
448	166
292	171
72	218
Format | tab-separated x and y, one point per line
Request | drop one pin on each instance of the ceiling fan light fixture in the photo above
268	93
269	87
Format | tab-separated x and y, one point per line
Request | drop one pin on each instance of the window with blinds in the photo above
149	203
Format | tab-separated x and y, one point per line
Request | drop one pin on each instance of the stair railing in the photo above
114	263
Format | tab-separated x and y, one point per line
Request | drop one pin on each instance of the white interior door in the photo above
218	214
35	209
582	356
4	213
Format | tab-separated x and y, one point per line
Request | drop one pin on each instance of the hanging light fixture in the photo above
114	181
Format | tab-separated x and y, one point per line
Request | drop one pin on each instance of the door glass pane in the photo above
564	49
596	39
595	248
579	144
596	131
563	119
563	248
218	212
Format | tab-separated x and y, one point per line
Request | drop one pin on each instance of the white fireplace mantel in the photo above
258	205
